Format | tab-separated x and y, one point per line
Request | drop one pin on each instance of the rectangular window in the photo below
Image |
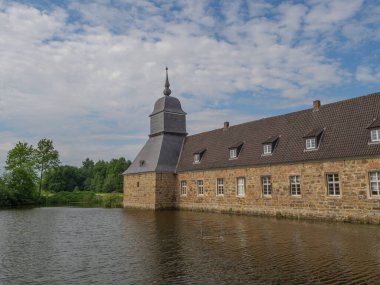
233	153
267	185
183	187
200	187
374	180
333	188
240	186
310	143
219	187
375	135
295	185
197	158
267	148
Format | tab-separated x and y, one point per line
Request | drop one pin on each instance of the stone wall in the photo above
353	204
140	190
150	190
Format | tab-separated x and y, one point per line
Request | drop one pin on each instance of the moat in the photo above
118	246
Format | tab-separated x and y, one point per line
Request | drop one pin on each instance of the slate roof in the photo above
345	135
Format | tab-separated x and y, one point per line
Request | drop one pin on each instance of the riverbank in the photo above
77	198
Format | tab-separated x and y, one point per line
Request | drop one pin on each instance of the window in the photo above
200	187
333	184
183	187
310	143
240	186
267	148
267	185
197	158
219	186
375	135
233	153
295	185
374	180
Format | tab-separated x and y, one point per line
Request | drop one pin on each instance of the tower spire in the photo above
167	91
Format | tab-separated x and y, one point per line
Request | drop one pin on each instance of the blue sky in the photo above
87	73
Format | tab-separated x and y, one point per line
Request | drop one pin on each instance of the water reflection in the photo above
116	246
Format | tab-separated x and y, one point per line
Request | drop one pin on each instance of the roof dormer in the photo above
313	139
269	145
198	155
374	129
235	150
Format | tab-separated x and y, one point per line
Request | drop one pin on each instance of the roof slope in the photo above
345	135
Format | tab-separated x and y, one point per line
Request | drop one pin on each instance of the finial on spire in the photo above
167	91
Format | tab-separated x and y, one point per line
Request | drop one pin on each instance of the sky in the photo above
86	74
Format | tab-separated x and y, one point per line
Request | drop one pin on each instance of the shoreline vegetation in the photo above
34	176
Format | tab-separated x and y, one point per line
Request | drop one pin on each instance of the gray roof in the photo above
345	135
159	154
168	104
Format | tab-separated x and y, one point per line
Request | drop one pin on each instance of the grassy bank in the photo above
83	198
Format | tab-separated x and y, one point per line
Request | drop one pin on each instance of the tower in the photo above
150	180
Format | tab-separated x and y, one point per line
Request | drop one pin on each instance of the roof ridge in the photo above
291	113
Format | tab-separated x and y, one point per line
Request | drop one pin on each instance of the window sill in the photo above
183	195
334	196
240	196
220	195
373	142
233	158
296	196
310	149
372	197
200	195
267	154
267	196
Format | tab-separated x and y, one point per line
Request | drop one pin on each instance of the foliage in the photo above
20	187
21	156
66	198
63	178
45	158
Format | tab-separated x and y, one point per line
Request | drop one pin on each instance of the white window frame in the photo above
333	184
267	148
240	186
233	153
374	183
266	182
200	187
295	185
219	187
375	135
183	188
311	143
197	158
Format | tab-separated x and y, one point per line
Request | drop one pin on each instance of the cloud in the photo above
368	74
87	74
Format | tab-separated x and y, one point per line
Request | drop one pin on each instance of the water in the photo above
116	246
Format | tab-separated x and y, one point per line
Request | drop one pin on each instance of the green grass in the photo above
83	198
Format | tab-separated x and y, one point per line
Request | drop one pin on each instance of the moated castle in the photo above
323	162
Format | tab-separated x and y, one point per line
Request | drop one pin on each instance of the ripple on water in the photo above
116	246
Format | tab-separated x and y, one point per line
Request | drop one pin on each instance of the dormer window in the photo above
267	148
198	155
310	143
375	135
374	128
269	145
313	139
235	150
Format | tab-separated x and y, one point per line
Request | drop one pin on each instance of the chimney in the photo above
226	125
316	105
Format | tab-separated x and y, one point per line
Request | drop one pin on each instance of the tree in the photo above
20	183
63	178
87	171
46	157
21	156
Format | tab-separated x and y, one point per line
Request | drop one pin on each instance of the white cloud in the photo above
368	74
91	91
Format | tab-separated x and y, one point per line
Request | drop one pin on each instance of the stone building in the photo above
322	162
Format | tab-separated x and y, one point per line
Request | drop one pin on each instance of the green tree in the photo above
46	157
63	178
87	171
113	181
21	186
21	156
